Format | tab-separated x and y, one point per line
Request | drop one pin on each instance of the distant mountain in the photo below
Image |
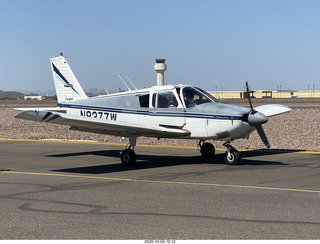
47	93
11	94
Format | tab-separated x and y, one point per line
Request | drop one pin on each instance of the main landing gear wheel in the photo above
232	156
207	150
128	157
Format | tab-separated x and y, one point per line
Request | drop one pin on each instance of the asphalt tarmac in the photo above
72	190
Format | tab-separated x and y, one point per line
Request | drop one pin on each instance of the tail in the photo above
66	84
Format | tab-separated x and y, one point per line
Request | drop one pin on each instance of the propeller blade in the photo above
248	94
263	136
256	119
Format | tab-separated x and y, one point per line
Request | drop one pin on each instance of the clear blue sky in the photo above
211	44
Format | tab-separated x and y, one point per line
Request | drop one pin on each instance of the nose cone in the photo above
257	118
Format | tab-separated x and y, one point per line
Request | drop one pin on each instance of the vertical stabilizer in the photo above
65	82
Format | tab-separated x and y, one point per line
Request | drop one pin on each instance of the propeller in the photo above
256	119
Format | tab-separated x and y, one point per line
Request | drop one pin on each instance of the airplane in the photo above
162	111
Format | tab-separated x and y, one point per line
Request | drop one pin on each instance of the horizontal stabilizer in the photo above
52	109
272	109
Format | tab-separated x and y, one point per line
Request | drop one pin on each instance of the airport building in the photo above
32	97
266	94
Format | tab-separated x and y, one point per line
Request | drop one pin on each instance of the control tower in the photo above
160	67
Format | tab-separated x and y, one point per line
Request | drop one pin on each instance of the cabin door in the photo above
166	110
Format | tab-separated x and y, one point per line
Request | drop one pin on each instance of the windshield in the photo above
195	96
208	95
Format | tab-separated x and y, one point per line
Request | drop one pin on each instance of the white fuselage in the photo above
166	106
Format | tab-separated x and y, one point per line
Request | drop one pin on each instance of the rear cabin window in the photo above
144	101
167	100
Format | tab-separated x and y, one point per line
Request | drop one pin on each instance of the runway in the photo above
73	190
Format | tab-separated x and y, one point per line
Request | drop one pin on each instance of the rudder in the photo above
66	84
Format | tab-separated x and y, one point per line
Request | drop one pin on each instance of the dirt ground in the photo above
298	129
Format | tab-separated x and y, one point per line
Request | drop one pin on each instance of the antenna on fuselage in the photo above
124	82
131	83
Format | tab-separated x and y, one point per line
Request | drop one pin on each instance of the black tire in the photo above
128	157
233	158
207	150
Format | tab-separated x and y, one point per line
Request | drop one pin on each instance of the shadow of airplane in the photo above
263	152
103	153
156	161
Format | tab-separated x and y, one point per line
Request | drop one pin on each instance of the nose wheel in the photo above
232	155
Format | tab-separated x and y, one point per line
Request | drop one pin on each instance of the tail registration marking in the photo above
98	114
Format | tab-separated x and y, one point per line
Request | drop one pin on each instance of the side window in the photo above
189	97
167	100
144	101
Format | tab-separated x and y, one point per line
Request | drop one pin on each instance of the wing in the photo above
109	127
272	109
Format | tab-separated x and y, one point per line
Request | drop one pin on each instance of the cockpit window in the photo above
195	96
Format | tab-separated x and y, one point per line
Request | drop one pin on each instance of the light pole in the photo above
313	90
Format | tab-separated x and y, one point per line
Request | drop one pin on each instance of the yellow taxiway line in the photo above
164	182
99	143
143	145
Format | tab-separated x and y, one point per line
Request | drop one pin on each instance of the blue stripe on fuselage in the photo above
151	113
